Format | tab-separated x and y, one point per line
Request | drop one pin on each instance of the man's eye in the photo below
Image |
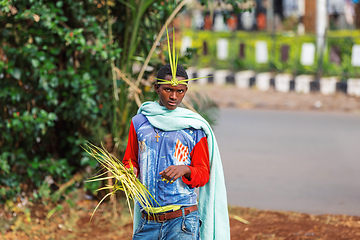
167	89
180	91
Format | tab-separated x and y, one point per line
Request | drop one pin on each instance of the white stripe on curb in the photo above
204	72
354	87
328	85
302	83
220	77
283	82
242	78
263	81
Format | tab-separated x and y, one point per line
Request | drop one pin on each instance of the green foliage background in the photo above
61	84
344	39
57	84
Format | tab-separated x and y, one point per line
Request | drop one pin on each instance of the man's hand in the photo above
174	172
135	171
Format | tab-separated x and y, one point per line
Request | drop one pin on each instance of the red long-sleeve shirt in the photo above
199	155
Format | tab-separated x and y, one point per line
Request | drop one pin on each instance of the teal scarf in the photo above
213	206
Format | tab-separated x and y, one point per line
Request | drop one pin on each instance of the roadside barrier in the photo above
281	82
273	58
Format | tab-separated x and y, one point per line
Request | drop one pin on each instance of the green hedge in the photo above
54	88
343	39
58	86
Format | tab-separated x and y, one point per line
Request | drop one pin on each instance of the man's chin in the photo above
171	107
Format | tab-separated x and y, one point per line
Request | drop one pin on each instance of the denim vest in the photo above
172	148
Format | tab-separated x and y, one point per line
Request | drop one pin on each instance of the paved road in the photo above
297	161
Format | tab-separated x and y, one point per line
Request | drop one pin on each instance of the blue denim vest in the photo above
172	148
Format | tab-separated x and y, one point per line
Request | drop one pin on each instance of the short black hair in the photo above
166	69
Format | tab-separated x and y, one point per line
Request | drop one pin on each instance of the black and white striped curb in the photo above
281	82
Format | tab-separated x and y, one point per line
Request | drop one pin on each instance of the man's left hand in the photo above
174	172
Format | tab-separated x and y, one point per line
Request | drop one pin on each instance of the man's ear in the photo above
156	86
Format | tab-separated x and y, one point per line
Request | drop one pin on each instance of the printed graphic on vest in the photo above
181	151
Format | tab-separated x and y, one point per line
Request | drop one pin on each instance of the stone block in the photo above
220	76
242	78
302	83
282	82
204	72
328	85
263	81
353	87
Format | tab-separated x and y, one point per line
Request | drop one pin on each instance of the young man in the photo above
173	151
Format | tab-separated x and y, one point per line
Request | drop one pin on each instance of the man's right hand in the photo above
135	171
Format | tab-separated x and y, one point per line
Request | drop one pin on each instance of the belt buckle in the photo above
158	219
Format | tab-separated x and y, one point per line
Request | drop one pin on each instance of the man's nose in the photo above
173	95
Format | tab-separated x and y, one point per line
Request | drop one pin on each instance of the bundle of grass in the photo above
125	179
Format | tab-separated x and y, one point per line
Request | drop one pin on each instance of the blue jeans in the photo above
184	228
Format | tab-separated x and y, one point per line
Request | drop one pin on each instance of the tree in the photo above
63	81
66	77
357	15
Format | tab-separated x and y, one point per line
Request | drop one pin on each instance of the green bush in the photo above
59	87
59	81
343	39
53	87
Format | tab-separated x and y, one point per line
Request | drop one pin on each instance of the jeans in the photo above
184	228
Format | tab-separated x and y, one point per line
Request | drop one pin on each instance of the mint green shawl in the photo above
213	206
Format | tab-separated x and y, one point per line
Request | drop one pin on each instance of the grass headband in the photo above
173	64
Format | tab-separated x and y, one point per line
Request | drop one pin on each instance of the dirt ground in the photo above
70	218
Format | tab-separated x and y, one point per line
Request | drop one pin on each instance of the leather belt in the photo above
162	217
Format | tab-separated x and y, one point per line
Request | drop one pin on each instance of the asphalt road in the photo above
295	161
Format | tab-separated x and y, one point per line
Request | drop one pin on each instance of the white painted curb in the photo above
263	81
204	72
220	77
353	88
282	82
328	85
302	83
242	78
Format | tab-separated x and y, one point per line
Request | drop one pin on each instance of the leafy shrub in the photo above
59	86
53	83
343	41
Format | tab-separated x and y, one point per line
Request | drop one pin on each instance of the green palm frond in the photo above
125	179
205	106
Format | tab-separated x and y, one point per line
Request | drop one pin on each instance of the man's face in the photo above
171	96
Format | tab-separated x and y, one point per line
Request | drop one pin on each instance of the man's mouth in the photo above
172	103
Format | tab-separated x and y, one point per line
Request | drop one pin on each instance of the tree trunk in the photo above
109	146
357	15
309	19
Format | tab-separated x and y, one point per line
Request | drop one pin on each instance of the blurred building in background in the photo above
291	45
277	15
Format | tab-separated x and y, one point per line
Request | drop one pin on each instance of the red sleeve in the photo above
131	152
200	169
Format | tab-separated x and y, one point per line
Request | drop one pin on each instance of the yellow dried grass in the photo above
125	179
